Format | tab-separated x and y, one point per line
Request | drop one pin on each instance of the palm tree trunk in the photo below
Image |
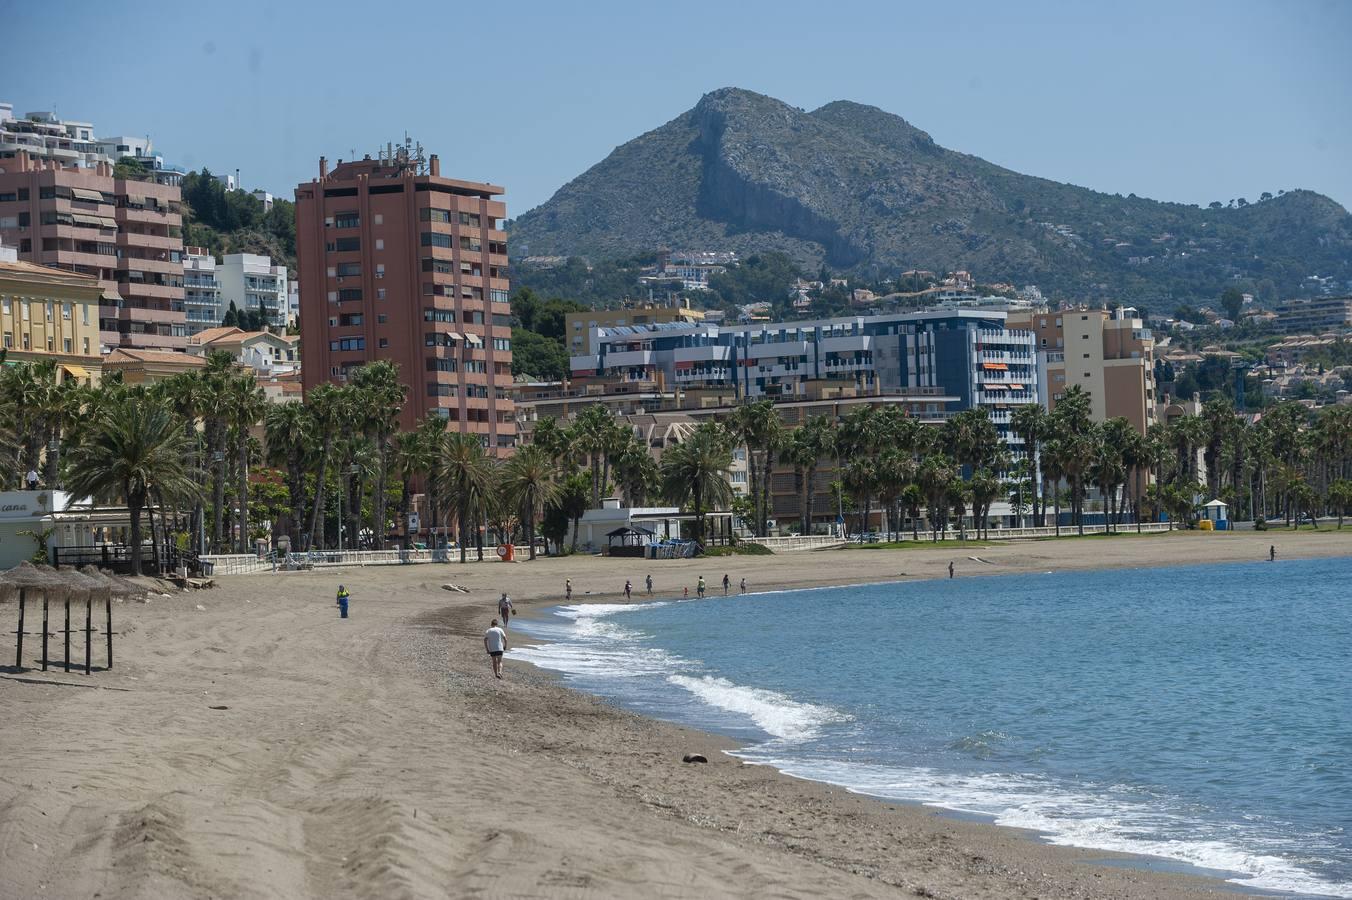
462	514
378	531
753	474
596	481
808	496
319	492
218	497
134	504
573	546
764	520
243	475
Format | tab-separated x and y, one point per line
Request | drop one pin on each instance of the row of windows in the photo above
353	343
7	306
444	217
345	245
66	343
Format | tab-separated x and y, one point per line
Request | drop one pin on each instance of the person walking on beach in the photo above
568	589
726	581
685	592
743	584
628	589
699	588
341	602
950	568
1272	553
650	584
505	608
495	642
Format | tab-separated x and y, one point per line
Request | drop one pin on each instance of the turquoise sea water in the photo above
1203	714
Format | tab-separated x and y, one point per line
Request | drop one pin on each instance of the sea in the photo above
1198	714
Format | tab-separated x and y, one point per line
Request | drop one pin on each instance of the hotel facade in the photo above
398	263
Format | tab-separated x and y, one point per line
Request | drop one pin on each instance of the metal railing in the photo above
247	563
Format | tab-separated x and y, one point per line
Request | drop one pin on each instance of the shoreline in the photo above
360	758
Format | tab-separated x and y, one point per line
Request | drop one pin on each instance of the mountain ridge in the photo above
857	188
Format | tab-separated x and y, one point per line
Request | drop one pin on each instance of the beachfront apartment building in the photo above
968	357
580	326
398	262
255	284
50	315
125	232
1314	314
201	291
1108	354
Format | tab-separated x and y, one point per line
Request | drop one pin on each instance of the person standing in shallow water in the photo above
505	609
650	585
568	589
699	588
628	589
950	568
495	642
1272	553
726	583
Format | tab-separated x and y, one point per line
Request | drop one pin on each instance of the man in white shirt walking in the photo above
495	642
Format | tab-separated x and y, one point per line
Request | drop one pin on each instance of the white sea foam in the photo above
774	713
1098	820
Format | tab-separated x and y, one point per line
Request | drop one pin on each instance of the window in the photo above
347	320
434	215
438	339
25	309
380	243
25	341
440	365
440	390
333	321
470	244
347	244
50	310
384	342
349	295
25	219
349	268
470	219
438	315
86	346
475	365
506	321
382	319
66	344
432	239
9	339
497	296
6	306
502	344
380	270
51	343
380	293
65	311
85	313
380	220
355	343
346	220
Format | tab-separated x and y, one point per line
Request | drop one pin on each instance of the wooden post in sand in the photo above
89	630
67	634
18	643
110	629
44	632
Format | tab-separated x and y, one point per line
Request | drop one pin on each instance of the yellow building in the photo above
50	314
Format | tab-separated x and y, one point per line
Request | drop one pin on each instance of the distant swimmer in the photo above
685	592
743	584
950	568
726	581
568	588
649	581
699	588
495	642
628	589
505	608
1272	553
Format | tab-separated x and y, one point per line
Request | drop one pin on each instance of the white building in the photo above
201	290
252	282
44	135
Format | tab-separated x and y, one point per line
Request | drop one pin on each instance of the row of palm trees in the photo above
196	446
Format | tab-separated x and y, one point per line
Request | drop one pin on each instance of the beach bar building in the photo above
55	521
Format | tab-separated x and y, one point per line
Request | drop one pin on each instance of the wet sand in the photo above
377	757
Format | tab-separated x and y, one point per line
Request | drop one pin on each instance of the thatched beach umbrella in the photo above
86	585
119	587
24	580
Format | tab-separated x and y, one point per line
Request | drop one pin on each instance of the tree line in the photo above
206	460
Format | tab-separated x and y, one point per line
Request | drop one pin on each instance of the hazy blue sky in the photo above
1173	100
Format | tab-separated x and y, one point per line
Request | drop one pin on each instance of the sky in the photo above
1183	101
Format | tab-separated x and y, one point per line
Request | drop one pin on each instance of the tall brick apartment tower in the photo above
399	263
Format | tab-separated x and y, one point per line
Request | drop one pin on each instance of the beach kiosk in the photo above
1217	514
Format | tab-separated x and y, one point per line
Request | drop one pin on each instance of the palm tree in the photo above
382	400
412	460
1031	423
135	449
860	476
466	477
913	497
697	473
935	475
806	447
530	484
287	429
757	425
1340	498
635	471
984	487
245	402
572	501
324	404
593	435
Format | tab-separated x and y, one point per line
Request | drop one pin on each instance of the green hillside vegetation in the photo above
539	349
865	192
235	222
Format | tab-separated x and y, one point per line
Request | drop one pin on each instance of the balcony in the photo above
152	341
626	358
157	315
130	289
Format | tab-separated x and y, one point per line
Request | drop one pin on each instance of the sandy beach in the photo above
249	743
